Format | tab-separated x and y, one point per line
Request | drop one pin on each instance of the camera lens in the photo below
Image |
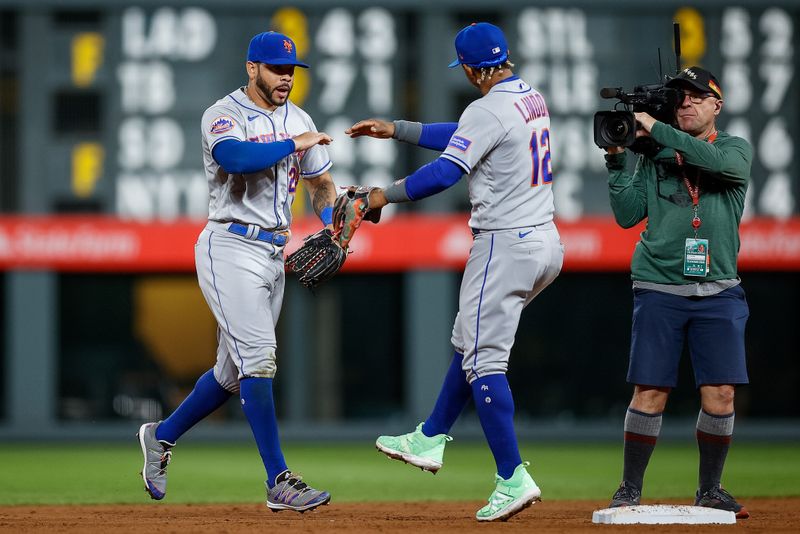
614	128
618	128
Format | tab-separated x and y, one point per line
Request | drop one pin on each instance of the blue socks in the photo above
495	407
259	408
206	397
453	397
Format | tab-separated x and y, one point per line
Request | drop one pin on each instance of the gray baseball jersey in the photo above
503	145
241	277
263	198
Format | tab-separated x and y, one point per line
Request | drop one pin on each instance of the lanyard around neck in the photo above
693	188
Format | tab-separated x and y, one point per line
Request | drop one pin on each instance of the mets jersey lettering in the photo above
531	107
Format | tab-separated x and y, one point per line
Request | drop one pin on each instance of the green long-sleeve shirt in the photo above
656	191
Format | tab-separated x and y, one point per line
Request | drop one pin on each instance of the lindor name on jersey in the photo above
532	107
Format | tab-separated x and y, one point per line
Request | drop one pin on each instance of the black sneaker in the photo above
720	499
626	495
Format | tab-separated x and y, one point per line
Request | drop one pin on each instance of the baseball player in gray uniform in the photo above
257	145
502	144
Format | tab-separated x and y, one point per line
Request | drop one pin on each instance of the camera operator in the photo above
691	190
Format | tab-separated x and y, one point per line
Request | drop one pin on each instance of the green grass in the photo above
216	473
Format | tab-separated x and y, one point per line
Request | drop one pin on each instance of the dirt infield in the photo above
767	515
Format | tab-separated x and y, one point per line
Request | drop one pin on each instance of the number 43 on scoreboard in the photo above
540	158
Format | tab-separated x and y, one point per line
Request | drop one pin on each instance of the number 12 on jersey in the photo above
540	158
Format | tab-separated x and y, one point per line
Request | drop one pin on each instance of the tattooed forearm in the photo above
323	197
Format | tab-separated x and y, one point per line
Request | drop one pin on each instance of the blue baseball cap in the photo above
480	45
273	48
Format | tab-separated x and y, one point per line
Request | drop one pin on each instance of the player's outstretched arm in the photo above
434	136
426	181
306	140
373	128
243	157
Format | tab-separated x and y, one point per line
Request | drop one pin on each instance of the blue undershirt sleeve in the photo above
242	157
432	178
436	135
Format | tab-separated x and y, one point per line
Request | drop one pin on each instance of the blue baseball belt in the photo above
256	233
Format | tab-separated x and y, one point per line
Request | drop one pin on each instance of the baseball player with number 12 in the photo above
502	143
256	147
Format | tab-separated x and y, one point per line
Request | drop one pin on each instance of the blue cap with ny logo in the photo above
273	48
480	45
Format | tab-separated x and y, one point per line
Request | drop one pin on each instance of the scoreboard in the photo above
154	70
126	87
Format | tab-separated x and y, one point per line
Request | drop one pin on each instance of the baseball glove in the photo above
317	260
349	210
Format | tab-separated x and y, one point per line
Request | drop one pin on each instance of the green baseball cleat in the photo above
510	496
415	448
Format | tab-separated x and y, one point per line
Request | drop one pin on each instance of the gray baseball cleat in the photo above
291	493
157	455
626	495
